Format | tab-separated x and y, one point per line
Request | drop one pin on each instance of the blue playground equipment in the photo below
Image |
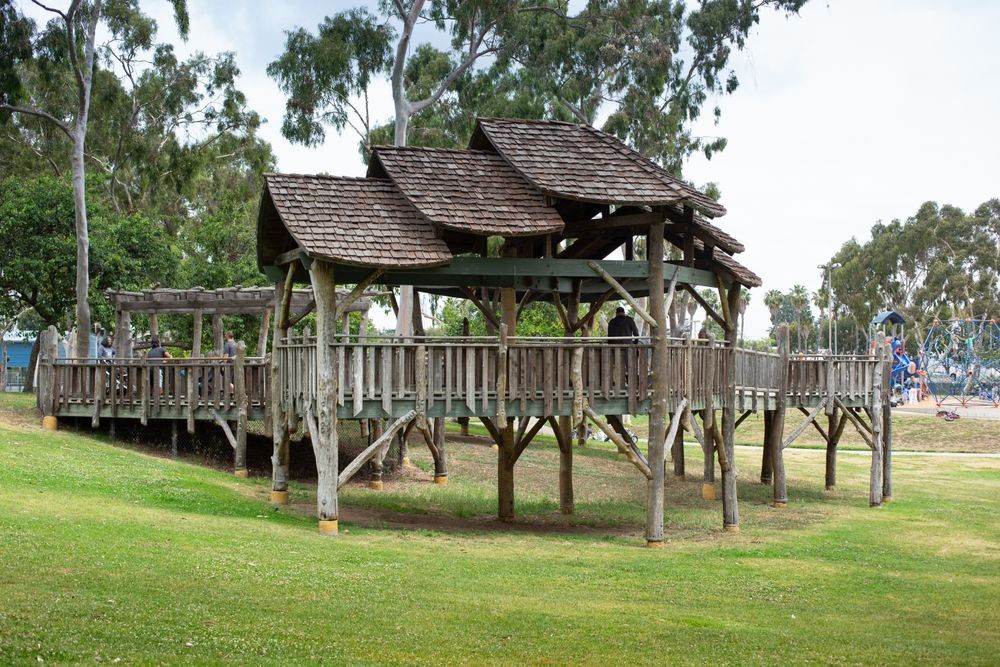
960	362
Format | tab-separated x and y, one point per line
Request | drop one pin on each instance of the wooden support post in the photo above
375	479
279	416
154	326
766	474
502	376
196	328
265	324
564	437
98	386
780	495
875	410
242	409
441	460
463	422
218	334
660	388
730	504
708	452
325	443
886	451
505	471
506	454
835	428
173	438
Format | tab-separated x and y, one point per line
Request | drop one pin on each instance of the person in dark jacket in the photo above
622	326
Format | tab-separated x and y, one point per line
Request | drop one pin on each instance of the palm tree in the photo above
799	298
774	300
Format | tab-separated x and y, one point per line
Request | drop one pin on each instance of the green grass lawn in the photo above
114	556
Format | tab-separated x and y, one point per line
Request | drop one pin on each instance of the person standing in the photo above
229	347
622	326
106	350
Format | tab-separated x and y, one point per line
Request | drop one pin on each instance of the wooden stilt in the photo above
875	412
835	428
658	408
564	436
766	474
886	452
173	438
324	439
506	454
441	460
378	461
780	494
279	417
730	506
242	410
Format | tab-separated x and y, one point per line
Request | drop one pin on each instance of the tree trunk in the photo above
324	431
29	379
658	408
766	475
505	472
79	182
82	240
564	436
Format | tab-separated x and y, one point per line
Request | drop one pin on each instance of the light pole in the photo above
830	266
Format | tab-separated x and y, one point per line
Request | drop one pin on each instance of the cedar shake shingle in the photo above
468	191
359	221
579	162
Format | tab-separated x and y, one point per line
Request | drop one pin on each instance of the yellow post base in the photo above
708	491
375	484
654	544
441	479
406	460
50	423
328	527
279	497
495	447
240	472
886	499
779	505
731	529
830	488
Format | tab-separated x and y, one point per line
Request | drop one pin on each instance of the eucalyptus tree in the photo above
68	43
326	75
940	262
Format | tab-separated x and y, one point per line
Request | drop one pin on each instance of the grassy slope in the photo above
107	553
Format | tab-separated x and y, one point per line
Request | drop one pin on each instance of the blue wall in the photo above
19	352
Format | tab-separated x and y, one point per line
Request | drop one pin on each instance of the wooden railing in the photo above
461	375
152	387
848	377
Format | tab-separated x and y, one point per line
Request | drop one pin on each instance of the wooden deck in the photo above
460	377
455	377
180	389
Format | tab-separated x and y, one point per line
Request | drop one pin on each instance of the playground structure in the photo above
960	362
562	198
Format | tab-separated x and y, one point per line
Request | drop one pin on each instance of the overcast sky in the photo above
852	112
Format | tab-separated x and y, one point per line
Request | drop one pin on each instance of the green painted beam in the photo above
522	273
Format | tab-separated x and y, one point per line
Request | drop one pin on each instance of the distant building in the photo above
17	349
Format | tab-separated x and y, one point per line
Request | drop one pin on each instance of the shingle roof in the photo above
742	274
360	221
580	162
469	191
722	239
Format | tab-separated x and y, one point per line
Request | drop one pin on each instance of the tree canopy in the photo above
940	262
